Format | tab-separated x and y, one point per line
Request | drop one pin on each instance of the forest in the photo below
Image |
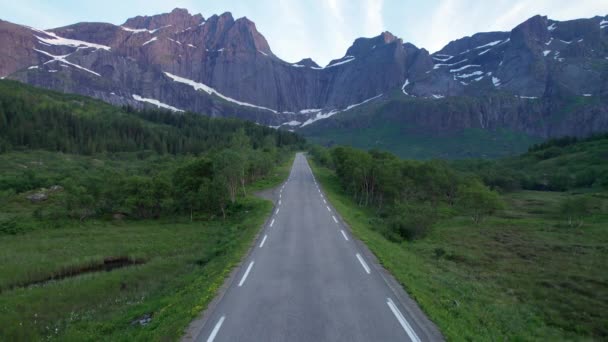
212	159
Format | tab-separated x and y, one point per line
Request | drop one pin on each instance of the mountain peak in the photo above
308	62
363	46
179	18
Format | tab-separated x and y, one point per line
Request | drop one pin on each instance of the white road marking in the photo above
280	195
324	201
271	223
247	273
263	240
406	326
328	209
344	234
335	220
279	202
216	329
277	211
363	263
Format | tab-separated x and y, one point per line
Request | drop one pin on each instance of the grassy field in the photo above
181	266
523	274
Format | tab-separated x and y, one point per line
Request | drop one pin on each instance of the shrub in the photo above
412	221
575	209
477	201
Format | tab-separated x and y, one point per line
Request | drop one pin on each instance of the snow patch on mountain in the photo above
549	42
437	66
465	67
474	73
496	81
436	96
488	45
150	41
407	81
546	52
552	27
156	103
339	63
211	91
447	58
321	116
292	123
484	52
57	40
603	24
309	111
132	30
62	59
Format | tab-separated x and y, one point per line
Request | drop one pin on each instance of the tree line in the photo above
408	196
32	118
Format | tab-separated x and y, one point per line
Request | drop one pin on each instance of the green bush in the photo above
477	201
411	220
574	209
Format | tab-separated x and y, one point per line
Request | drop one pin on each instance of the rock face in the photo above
220	66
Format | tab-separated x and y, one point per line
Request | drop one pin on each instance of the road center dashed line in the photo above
328	209
335	220
216	329
263	240
365	267
246	274
344	234
272	222
277	211
404	324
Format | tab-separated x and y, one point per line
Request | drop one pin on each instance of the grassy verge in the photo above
184	266
522	275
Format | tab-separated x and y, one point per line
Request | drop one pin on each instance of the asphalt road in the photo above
308	279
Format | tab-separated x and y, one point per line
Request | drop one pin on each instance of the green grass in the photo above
185	264
521	275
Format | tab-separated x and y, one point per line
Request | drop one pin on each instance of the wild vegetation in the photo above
484	257
409	196
162	200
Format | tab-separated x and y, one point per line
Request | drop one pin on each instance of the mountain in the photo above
544	78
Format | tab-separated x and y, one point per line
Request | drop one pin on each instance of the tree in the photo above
229	168
190	183
575	209
476	200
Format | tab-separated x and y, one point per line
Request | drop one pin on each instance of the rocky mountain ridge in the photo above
220	66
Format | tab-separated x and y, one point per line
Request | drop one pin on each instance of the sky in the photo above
320	29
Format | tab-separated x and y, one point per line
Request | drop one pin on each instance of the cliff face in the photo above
220	66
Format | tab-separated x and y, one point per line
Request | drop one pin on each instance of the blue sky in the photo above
320	29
